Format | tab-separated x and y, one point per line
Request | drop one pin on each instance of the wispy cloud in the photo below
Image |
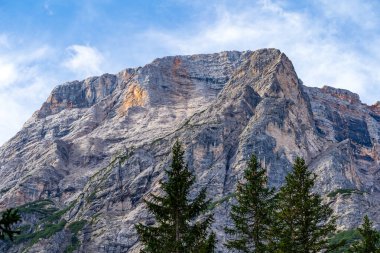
84	60
362	13
8	73
47	8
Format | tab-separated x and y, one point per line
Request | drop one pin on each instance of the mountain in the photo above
82	164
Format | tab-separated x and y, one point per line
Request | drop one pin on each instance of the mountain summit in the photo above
83	163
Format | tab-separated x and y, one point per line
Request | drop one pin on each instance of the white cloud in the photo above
18	104
8	73
24	84
84	60
16	67
27	77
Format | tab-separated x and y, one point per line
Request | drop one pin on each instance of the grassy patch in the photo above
345	239
47	231
77	226
43	207
57	215
344	192
50	223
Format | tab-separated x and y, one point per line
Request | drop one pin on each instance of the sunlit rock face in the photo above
97	147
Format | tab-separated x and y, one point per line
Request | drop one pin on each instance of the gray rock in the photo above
98	147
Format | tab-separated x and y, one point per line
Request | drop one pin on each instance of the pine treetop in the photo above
370	242
8	218
181	223
252	213
303	222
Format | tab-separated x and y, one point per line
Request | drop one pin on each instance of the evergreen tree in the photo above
179	227
302	222
370	242
252	214
9	218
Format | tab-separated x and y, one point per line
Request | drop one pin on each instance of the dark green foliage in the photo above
252	214
75	243
370	241
9	218
209	245
344	239
302	222
179	227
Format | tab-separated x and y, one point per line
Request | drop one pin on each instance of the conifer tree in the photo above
370	242
181	223
302	222
252	213
9	218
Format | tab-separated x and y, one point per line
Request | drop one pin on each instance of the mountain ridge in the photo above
98	146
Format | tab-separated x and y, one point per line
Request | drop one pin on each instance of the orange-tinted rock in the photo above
135	96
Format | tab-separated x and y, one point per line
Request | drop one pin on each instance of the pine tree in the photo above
179	225
9	218
252	213
302	222
370	242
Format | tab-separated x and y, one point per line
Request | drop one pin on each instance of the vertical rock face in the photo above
82	164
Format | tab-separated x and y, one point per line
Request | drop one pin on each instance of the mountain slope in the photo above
87	158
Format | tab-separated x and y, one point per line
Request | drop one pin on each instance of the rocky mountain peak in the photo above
342	94
182	75
272	74
97	147
78	94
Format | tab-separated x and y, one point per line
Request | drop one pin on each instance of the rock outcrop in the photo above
81	166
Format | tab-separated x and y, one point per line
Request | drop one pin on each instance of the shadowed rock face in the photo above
97	147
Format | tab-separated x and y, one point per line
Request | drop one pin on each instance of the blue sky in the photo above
45	43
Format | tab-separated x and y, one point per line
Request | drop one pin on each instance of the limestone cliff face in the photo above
92	152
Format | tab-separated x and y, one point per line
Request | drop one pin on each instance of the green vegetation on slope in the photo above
48	221
346	237
344	192
74	228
